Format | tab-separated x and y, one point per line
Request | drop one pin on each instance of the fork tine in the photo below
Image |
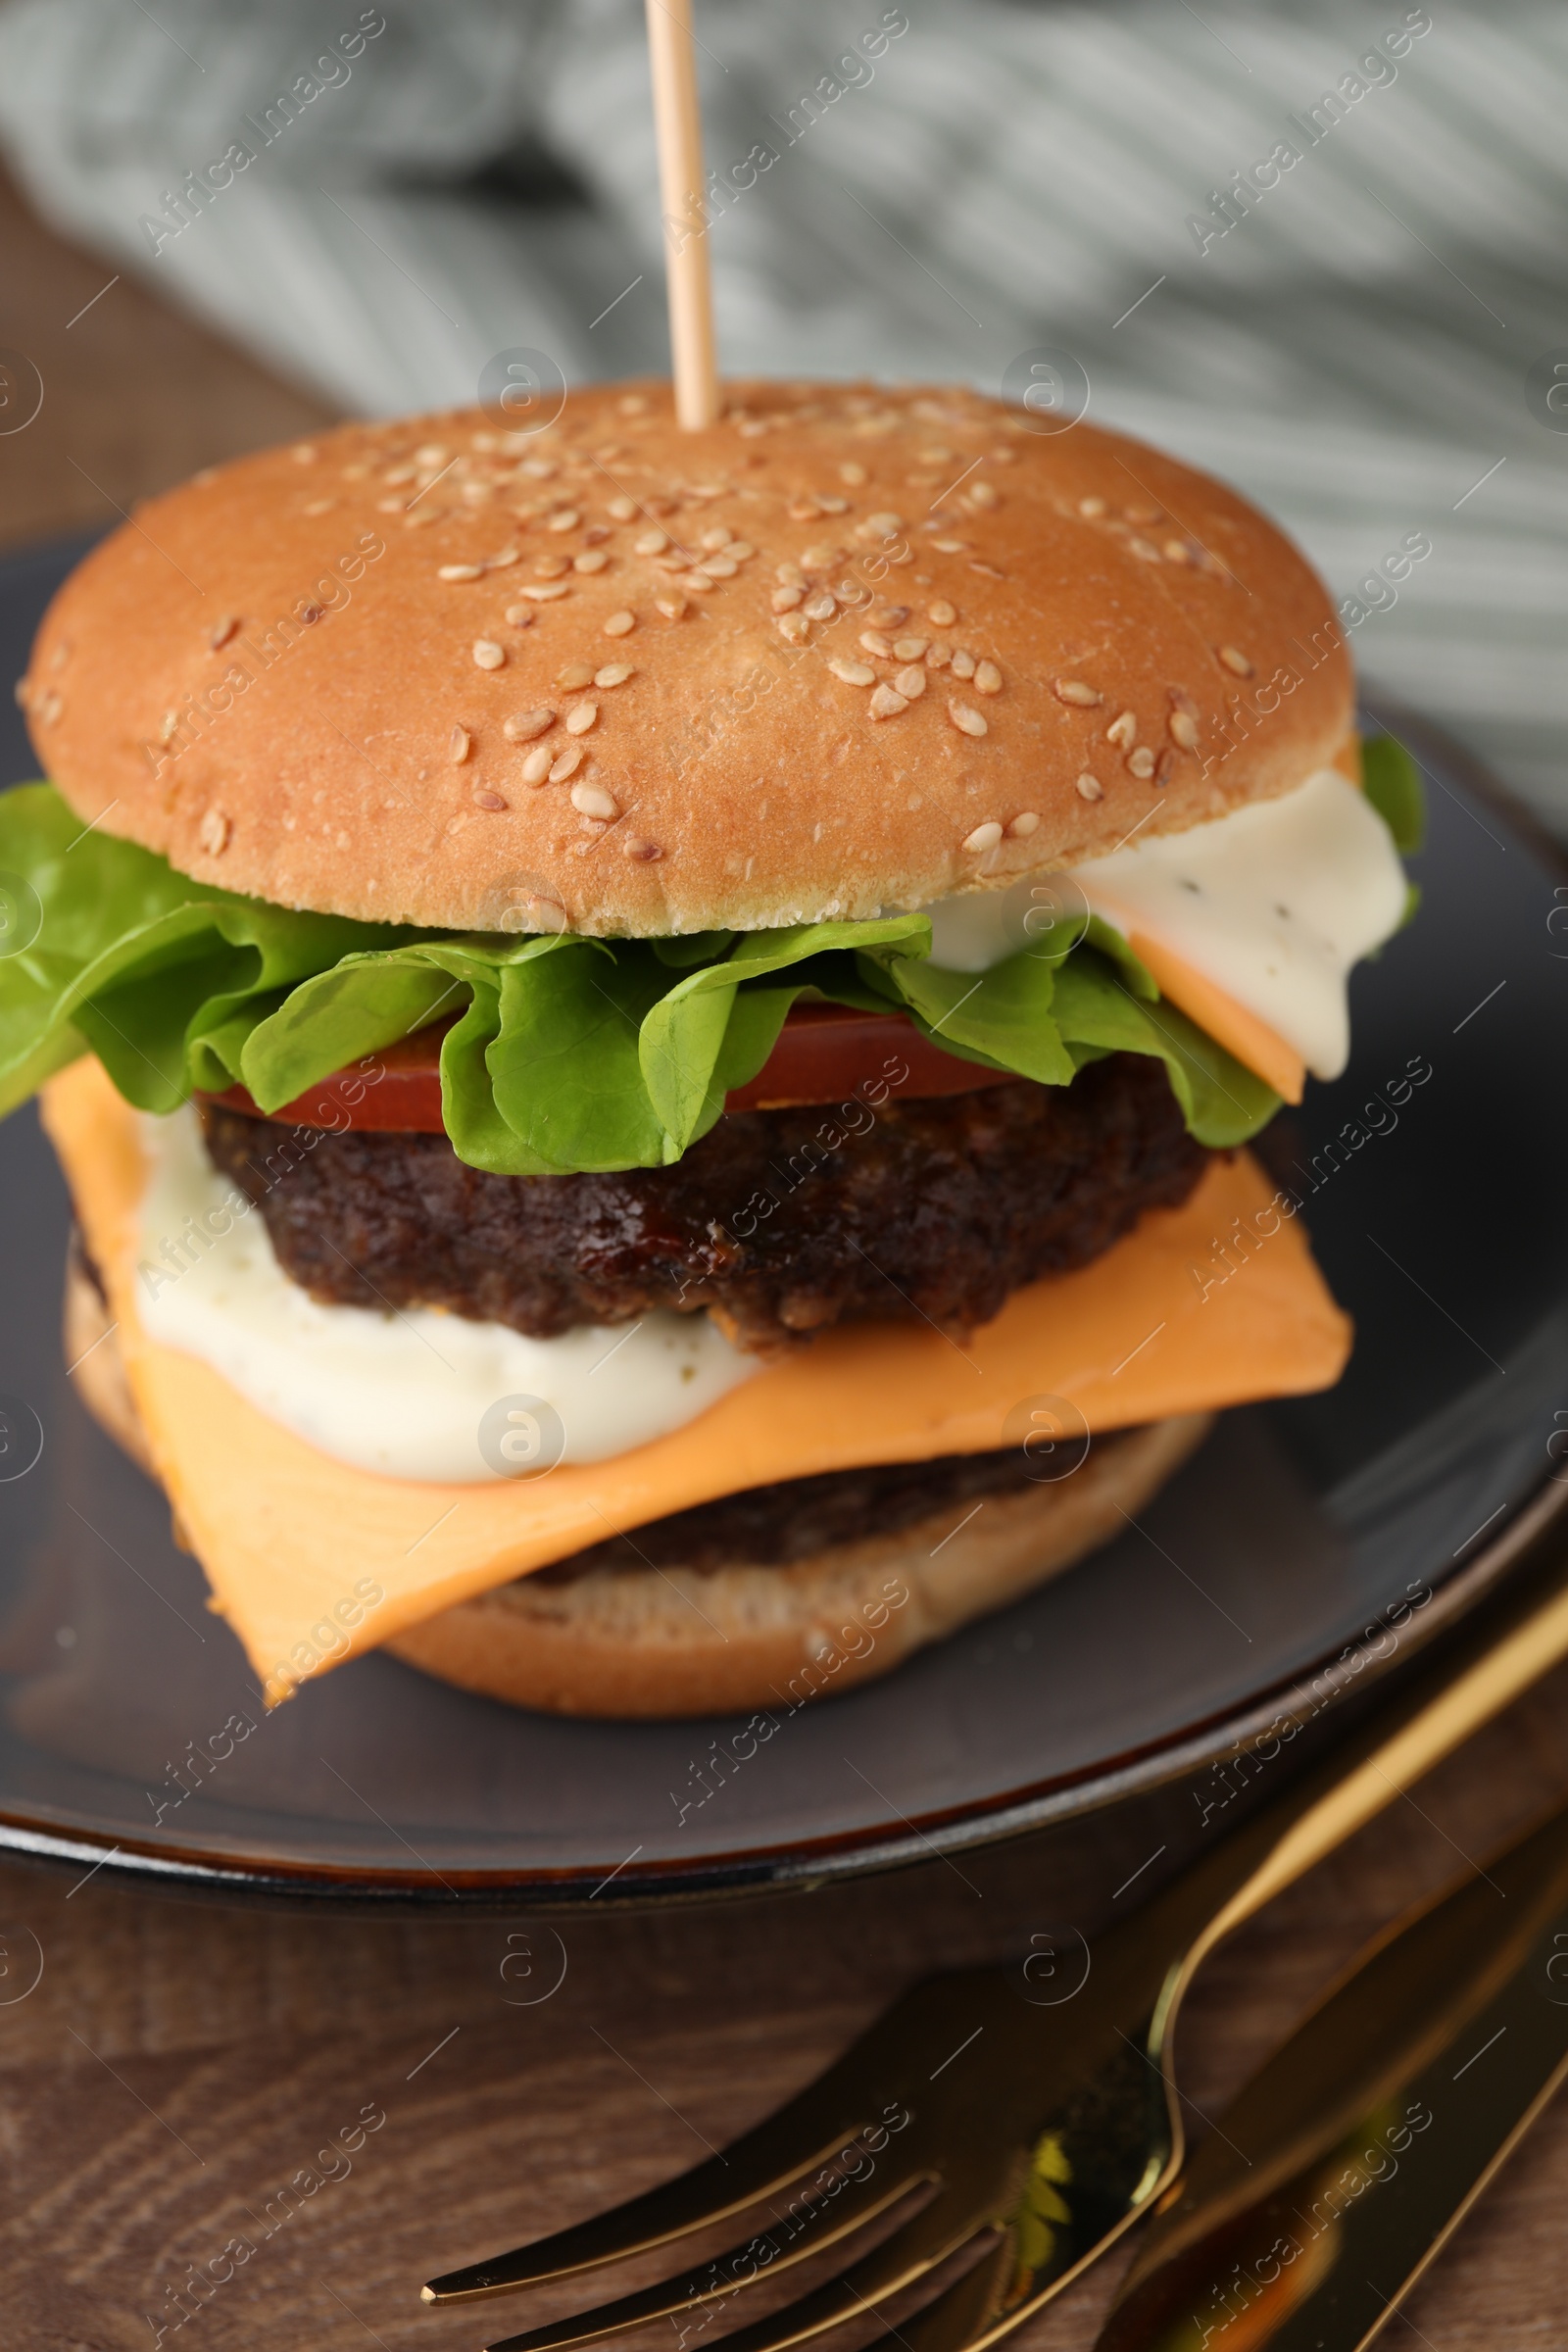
812	2125
924	2241
773	2248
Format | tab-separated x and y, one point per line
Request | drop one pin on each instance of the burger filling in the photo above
615	1135
778	1222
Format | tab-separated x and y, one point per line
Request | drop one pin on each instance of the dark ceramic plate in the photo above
1306	1543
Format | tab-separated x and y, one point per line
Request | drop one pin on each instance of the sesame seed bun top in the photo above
851	648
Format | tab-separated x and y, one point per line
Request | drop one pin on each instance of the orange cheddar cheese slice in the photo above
1253	1042
312	1560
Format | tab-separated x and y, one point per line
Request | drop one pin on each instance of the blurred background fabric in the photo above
1365	344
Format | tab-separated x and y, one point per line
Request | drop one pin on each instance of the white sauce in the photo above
1273	903
401	1392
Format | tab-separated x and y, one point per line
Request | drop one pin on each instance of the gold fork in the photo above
1036	2134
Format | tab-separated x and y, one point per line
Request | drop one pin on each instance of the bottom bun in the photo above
629	1641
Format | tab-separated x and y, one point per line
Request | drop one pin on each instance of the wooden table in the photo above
180	2063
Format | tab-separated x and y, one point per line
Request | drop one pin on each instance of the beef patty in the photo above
796	1518
778	1221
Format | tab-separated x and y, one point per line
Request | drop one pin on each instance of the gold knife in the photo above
1341	2170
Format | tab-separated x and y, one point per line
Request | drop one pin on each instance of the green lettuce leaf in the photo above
1392	782
567	1055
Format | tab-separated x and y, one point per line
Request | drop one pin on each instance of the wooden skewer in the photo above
678	125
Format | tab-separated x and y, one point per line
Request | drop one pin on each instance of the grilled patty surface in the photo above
778	1222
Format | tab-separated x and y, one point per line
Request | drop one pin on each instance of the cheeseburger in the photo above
654	1034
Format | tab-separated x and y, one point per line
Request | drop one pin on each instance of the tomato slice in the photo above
824	1054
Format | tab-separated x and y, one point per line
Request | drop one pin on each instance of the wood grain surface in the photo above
177	2064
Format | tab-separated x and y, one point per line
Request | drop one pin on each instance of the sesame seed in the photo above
622	508
1090	787
741	549
1023	826
794	627
1077	691
519	617
1123	730
536	767
964	663
594	561
632	403
987	678
984	837
968	722
488	800
698	582
505	560
302	454
524	725
1235	661
389	506
785	599
949	547
941	614
1176	551
419	522
990	570
885	702
790	575
488	655
566	764
822	606
51	707
1092	509
911	683
875	643
575	673
552	567
852	474
620	625
566	520
459	572
652	543
546	595
460	743
214	831
592	800
716	538
433	454
1142	513
615	673
581	717
886	524
1143	549
1183	730
718	568
854	674
673	607
820	559
985	494
938	657
224	630
831	504
1141	763
909	649
644	852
